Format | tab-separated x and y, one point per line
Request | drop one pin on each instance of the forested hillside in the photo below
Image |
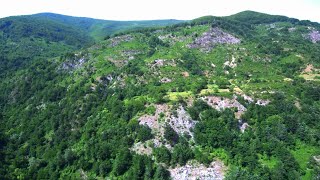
35	37
233	97
99	29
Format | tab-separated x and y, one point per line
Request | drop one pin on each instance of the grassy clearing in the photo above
213	89
310	77
302	154
269	162
174	96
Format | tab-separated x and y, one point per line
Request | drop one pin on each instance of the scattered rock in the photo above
158	62
314	36
308	69
142	148
292	29
185	74
243	127
317	159
298	105
220	103
194	171
288	79
271	26
118	62
74	62
155	124
130	53
247	98
42	106
172	39
178	119
117	40
182	122
231	64
261	102
163	62
165	80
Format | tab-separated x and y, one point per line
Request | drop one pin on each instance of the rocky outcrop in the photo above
142	148
178	118
165	80
182	122
213	37
163	62
314	36
194	170
172	39
74	62
220	103
117	40
231	64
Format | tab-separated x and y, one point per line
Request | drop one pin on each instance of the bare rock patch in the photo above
194	171
208	40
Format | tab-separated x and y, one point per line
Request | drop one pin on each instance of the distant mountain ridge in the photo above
98	28
50	35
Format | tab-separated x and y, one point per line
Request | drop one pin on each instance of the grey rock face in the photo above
314	36
210	39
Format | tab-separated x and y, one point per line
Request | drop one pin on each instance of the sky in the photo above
161	9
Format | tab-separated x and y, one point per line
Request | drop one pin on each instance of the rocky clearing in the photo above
194	171
178	119
314	36
208	40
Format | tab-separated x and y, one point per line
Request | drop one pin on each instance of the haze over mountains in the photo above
234	97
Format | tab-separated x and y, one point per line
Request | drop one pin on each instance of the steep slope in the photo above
210	98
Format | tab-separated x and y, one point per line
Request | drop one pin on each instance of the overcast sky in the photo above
161	9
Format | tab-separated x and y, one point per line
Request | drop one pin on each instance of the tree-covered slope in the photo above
27	38
211	98
98	28
252	17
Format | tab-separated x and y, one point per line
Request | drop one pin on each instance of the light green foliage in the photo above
303	153
269	162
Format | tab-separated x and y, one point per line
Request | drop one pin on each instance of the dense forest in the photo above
234	97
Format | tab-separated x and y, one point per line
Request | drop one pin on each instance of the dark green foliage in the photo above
122	162
162	154
216	130
202	157
191	63
142	168
236	173
197	107
171	135
144	133
99	29
251	17
161	173
181	154
2	155
155	41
